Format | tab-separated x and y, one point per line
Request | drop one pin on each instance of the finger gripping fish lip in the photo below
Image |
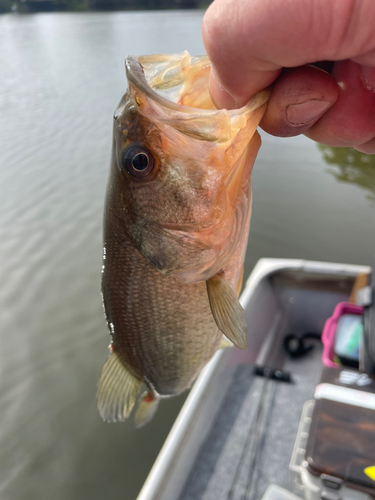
162	76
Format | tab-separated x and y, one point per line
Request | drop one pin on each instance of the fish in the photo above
176	223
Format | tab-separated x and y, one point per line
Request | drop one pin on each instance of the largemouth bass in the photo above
176	224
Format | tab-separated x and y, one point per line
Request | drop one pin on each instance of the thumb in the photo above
222	98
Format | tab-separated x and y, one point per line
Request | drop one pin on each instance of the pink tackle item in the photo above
329	331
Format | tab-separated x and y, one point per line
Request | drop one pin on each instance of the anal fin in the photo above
118	390
224	343
227	311
146	409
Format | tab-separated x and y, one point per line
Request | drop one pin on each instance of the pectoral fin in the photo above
146	409
240	281
227	311
118	390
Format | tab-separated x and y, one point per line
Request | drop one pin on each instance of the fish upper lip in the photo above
135	75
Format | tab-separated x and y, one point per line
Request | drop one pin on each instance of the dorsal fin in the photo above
227	311
118	390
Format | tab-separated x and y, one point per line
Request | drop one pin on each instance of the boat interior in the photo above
236	432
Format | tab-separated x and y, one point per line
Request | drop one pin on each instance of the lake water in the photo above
61	76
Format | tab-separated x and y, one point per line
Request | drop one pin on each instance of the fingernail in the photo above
305	112
220	96
368	77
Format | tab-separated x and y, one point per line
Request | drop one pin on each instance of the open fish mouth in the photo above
177	86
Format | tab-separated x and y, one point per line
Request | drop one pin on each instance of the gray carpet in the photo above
252	438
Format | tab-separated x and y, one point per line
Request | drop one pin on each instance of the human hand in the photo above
249	43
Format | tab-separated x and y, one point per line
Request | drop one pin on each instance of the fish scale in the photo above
178	333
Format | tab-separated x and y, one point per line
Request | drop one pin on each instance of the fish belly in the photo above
162	330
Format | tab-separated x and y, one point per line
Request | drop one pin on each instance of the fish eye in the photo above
138	162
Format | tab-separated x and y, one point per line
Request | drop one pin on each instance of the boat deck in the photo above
252	438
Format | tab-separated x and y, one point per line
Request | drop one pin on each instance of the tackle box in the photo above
343	335
334	453
367	355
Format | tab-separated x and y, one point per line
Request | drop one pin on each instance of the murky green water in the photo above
61	78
